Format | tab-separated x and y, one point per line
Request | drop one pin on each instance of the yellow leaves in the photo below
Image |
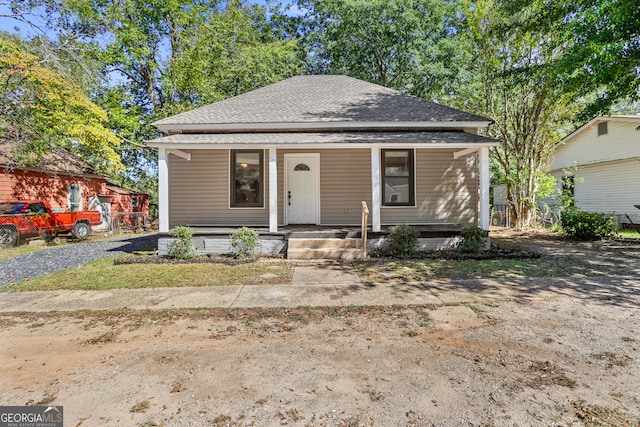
55	108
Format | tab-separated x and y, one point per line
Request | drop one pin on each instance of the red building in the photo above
68	183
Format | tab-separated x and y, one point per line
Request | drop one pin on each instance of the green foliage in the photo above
183	245
403	240
506	77
402	44
244	241
155	58
42	109
597	47
474	239
581	225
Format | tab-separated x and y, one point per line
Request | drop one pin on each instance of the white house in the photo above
600	163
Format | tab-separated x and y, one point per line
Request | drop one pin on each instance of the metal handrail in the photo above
365	221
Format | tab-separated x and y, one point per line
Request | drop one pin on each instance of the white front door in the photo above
303	189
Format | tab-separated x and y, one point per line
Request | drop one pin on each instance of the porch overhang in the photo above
465	142
422	139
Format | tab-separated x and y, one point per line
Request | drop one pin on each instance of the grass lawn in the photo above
629	234
420	270
105	274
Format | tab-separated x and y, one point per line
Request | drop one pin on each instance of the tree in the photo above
509	79
404	44
155	58
600	42
41	108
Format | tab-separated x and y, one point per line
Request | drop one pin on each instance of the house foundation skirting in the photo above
212	243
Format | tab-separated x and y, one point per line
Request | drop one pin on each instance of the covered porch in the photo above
339	189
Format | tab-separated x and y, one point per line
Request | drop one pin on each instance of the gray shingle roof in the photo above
323	98
448	137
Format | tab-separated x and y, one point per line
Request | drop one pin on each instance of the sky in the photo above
14	26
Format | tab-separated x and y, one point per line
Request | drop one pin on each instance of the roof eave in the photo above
195	146
312	126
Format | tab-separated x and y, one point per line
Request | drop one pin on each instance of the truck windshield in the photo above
7	208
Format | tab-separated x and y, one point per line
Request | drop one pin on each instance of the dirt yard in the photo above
559	361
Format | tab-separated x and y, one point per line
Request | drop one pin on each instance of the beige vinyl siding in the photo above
622	141
199	192
345	181
446	191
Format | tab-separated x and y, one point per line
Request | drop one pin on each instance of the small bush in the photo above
403	240
581	225
474	239
183	245
244	241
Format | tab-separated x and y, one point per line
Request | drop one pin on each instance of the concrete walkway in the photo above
336	286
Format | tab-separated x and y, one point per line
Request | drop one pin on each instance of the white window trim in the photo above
264	179
415	179
69	192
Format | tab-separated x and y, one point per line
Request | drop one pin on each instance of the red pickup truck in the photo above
22	219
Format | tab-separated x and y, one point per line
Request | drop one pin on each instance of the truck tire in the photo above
8	236
81	231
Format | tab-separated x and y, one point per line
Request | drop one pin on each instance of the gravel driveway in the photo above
67	257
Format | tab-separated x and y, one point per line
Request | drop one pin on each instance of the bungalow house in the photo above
599	165
67	183
309	150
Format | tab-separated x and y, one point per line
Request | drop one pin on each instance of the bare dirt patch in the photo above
553	362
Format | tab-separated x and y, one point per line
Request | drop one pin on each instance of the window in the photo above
75	197
37	208
134	201
301	167
398	178
247	183
602	128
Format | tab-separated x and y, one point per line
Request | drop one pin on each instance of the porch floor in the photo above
322	231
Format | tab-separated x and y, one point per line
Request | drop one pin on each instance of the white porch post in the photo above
484	188
273	190
376	192
163	190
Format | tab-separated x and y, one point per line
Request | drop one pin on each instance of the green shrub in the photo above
403	240
581	225
474	239
183	245
244	241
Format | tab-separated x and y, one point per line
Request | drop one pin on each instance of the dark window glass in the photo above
398	178
301	167
247	178
37	208
602	128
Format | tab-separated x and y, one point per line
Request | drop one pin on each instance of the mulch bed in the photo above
201	259
494	253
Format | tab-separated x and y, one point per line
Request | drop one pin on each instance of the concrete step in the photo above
324	253
332	243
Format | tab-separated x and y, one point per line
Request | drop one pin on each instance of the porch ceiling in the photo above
442	138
